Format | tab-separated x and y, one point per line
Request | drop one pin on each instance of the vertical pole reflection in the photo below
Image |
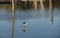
12	34
42	7
51	10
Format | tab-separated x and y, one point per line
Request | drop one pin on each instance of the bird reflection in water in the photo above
25	26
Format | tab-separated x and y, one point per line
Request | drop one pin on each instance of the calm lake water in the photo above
39	23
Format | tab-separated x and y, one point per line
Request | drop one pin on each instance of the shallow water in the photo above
39	24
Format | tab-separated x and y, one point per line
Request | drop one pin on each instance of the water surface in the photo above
39	24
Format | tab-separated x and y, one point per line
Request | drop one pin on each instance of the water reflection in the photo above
39	27
51	10
42	7
13	10
26	3
35	5
24	26
25	21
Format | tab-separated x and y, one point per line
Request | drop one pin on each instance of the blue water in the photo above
39	24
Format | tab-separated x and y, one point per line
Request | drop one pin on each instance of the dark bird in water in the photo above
24	22
24	30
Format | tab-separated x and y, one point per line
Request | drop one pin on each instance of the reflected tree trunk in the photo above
51	10
35	4
12	34
42	6
26	3
35	7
